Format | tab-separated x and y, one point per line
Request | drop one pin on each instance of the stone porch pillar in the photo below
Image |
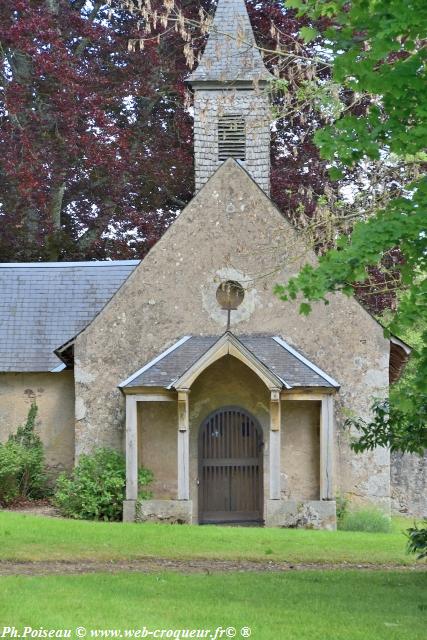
275	426
183	444
129	506
327	448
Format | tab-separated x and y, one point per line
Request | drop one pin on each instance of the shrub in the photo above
22	464
417	541
95	489
371	520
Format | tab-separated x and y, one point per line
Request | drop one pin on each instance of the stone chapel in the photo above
187	361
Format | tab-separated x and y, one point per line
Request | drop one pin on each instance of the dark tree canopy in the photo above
96	149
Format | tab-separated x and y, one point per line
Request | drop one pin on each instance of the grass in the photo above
30	538
370	520
308	605
304	605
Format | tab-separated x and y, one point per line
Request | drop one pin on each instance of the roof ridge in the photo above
178	364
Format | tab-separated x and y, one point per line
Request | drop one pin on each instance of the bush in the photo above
417	541
370	520
95	489
22	464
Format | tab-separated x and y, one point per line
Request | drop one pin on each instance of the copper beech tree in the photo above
95	147
96	134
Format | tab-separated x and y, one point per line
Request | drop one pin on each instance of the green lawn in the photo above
34	538
319	605
300	605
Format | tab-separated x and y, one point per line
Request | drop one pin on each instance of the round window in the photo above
230	295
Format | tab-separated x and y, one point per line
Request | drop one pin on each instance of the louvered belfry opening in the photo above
230	468
231	137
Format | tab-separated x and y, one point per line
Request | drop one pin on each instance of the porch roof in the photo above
282	361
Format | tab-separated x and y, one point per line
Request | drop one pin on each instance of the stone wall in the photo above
254	107
54	395
158	446
231	230
409	484
292	514
300	443
162	511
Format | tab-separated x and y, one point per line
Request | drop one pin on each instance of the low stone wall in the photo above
165	511
312	514
409	484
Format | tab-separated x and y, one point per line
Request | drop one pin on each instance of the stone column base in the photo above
166	511
310	514
129	510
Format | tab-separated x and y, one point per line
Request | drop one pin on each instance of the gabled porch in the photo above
236	429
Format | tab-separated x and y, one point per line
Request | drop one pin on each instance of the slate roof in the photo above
42	305
280	358
231	54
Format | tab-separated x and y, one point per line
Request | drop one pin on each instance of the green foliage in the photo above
308	34
342	503
417	541
368	520
392	427
22	464
401	225
401	422
95	490
377	48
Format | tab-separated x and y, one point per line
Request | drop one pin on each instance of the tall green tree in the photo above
378	48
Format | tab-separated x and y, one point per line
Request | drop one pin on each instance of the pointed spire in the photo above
231	53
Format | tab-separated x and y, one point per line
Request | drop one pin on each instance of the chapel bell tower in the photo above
231	104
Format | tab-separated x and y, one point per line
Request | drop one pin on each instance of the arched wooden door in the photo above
230	468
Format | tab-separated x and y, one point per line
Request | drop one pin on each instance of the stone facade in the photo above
409	484
229	231
240	235
54	395
253	105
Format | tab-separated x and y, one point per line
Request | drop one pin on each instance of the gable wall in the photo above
230	230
